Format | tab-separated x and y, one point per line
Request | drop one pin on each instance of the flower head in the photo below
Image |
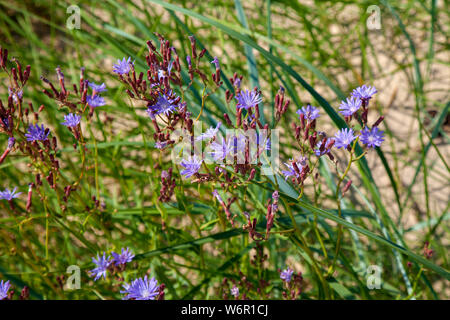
191	165
248	99
11	142
160	145
71	120
216	63
165	104
8	194
165	73
344	137
36	133
97	87
102	264
286	275
324	151
309	112
364	92
122	66
15	94
141	289
235	291
4	287
95	101
373	138
210	132
291	170
349	107
221	150
125	256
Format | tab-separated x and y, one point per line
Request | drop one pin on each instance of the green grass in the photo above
271	43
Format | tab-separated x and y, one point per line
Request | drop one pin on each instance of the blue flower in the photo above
191	165
125	256
310	113
160	145
8	194
11	142
235	291
97	87
344	137
372	138
210	133
221	150
349	107
141	289
165	73
4	287
286	275
102	264
291	170
95	101
165	104
325	149
122	66
71	120
248	99
36	133
364	92
216	63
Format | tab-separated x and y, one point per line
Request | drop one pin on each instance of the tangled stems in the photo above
303	245
338	203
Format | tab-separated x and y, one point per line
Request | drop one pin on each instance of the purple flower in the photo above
11	142
71	120
237	83
36	133
324	151
4	287
15	94
344	137
8	194
248	99
165	73
216	62
189	61
191	166
160	145
210	133
364	92
97	87
95	101
141	289
125	256
235	291
221	150
102	266
286	275
165	104
122	66
310	113
349	107
291	170
261	138
373	138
